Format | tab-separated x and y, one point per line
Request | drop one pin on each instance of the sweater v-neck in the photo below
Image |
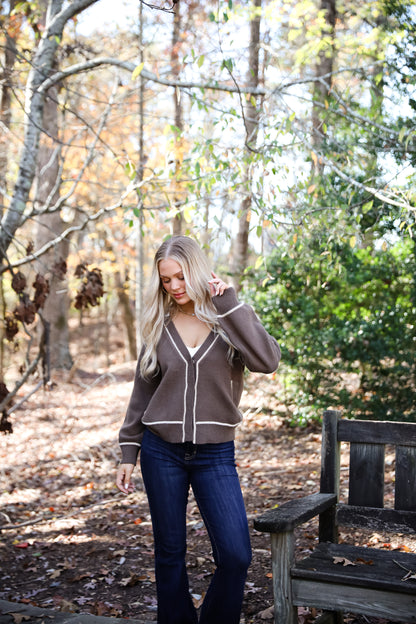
170	326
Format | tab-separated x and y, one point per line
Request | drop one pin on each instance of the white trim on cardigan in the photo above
230	311
186	382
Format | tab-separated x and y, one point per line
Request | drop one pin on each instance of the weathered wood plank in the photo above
283	548
377	603
377	432
390	520
294	512
330	456
366	481
405	486
372	568
330	471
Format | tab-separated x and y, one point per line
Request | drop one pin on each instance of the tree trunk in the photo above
177	155
128	316
43	61
8	60
49	226
140	225
251	119
7	64
323	70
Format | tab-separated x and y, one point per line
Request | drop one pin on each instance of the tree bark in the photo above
128	315
42	64
49	226
251	119
323	70
177	155
140	225
9	58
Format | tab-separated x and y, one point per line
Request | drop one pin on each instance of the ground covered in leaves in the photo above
70	541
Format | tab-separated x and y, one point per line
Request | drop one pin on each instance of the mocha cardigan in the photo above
195	398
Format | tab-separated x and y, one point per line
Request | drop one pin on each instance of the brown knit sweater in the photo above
195	398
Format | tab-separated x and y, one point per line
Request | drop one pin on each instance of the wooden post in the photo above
283	553
330	470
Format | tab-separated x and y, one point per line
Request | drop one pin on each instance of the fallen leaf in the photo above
118	553
343	561
267	614
19	617
131	580
80	577
410	576
403	548
197	599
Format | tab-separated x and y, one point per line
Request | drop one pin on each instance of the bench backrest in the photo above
366	497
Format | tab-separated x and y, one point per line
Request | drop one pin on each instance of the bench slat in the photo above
366	486
405	488
387	520
374	569
395	607
377	432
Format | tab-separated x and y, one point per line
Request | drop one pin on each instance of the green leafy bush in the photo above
345	319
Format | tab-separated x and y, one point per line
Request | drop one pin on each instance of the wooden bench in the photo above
380	583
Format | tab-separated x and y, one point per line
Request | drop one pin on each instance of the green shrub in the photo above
345	319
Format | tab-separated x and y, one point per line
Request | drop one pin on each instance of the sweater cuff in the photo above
129	453
227	302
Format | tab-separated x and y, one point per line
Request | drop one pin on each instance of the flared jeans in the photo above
168	471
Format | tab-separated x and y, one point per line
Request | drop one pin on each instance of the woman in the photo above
197	339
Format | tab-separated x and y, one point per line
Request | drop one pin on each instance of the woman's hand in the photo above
123	479
216	285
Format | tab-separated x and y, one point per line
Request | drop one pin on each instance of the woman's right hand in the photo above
123	479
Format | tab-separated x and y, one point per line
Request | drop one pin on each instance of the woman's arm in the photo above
259	350
131	432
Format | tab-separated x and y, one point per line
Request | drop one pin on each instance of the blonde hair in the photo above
159	305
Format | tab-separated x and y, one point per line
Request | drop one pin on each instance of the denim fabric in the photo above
168	471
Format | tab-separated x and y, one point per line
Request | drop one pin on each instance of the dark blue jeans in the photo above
168	471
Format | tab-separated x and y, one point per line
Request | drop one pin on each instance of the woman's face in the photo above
173	281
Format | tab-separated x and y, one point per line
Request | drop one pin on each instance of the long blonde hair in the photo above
159	305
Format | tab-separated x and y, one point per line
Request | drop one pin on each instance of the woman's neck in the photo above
188	309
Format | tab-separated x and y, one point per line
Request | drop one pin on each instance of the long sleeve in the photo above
260	351
131	432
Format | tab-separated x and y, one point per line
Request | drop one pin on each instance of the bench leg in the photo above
282	559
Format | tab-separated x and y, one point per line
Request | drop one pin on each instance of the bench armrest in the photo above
289	515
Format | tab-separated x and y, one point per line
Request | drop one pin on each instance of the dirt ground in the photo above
72	542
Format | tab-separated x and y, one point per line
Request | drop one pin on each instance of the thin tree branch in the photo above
128	66
76	228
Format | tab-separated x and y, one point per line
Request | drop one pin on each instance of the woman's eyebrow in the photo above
169	276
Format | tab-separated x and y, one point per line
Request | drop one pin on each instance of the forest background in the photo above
280	133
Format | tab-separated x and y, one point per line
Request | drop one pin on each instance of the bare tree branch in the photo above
133	187
388	197
56	20
128	66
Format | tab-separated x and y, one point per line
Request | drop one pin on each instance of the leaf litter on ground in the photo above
72	542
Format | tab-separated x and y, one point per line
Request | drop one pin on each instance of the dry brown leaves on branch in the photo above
91	289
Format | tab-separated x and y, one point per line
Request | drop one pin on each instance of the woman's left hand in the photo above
216	285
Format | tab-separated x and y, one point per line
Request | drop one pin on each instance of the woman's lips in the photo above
179	295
